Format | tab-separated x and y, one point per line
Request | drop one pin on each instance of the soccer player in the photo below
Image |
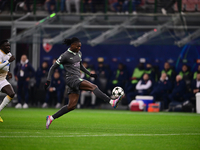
5	59
71	60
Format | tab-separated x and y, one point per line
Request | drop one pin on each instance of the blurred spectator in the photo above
126	5
179	90
196	72
41	75
111	2
55	91
77	5
28	9
118	6
27	5
103	72
2	4
170	4
62	6
136	76
150	71
119	77
196	85
23	72
91	4
144	86
161	90
186	75
169	71
85	94
51	6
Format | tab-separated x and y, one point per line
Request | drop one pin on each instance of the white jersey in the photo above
3	59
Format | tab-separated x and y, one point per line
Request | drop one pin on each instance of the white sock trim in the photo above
51	118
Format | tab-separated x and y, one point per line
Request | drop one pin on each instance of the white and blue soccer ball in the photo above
117	91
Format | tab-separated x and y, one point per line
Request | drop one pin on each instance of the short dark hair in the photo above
70	41
2	42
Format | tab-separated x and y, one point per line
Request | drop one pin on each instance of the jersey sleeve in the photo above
62	59
3	63
1	58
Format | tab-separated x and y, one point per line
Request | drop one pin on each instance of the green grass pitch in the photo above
86	129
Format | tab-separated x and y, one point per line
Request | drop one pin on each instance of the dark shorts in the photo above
73	82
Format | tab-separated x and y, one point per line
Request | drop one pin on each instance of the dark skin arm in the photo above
12	58
9	75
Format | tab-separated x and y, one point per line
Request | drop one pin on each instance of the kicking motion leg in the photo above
88	86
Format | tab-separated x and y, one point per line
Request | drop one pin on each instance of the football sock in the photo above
61	112
51	118
101	95
5	102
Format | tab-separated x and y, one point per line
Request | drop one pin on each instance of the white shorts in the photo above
3	83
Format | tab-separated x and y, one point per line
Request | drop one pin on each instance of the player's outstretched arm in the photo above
93	75
82	68
9	75
2	65
51	70
12	58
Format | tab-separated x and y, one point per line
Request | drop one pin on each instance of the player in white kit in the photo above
5	87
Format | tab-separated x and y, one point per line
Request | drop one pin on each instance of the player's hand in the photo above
93	75
9	75
12	58
46	85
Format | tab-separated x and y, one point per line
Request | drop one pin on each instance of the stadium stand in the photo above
182	8
150	1
190	5
198	5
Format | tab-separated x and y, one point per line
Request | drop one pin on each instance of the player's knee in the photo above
72	107
94	87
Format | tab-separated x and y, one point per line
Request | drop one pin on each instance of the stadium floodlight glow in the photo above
153	33
109	33
34	29
73	30
147	36
52	15
189	38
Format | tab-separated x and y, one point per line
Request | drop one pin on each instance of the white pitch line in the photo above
97	135
145	113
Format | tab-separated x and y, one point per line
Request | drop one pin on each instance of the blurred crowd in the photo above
93	6
166	86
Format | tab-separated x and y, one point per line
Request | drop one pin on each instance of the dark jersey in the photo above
71	62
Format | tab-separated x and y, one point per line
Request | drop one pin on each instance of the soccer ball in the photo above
117	91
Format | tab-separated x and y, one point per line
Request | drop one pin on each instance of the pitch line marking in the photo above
95	135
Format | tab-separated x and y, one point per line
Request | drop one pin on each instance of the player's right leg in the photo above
8	90
73	100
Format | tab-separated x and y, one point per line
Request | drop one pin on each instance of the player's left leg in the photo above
73	100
